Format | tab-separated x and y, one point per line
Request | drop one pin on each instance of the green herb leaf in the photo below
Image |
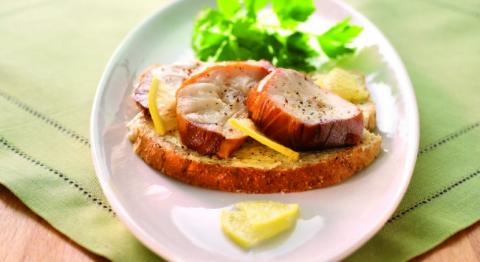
228	7
249	36
290	13
209	33
297	52
300	43
233	33
334	42
252	6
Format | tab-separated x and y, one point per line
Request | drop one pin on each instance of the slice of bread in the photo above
369	114
253	168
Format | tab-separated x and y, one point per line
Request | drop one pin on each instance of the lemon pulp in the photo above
252	222
161	105
349	85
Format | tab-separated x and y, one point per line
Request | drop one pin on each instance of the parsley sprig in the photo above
233	32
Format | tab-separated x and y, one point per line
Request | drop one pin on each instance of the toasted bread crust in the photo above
183	164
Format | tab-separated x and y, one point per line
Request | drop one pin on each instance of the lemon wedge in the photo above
247	127
350	86
161	105
252	222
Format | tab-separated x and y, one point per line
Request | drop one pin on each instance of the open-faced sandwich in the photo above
247	126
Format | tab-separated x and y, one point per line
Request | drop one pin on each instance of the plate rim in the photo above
411	110
154	246
140	234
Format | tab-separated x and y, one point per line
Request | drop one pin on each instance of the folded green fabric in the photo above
51	58
53	53
439	42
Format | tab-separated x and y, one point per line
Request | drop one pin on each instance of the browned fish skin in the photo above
208	99
289	108
206	142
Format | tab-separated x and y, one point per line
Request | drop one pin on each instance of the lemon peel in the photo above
249	129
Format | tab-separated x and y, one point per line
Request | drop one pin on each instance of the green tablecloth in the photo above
52	54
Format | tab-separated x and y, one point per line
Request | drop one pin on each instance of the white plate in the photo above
180	222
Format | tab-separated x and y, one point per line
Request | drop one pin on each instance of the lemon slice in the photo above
247	127
350	86
161	105
252	222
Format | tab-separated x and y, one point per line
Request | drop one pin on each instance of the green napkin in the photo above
439	42
53	53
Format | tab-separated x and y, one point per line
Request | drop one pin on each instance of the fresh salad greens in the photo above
235	31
